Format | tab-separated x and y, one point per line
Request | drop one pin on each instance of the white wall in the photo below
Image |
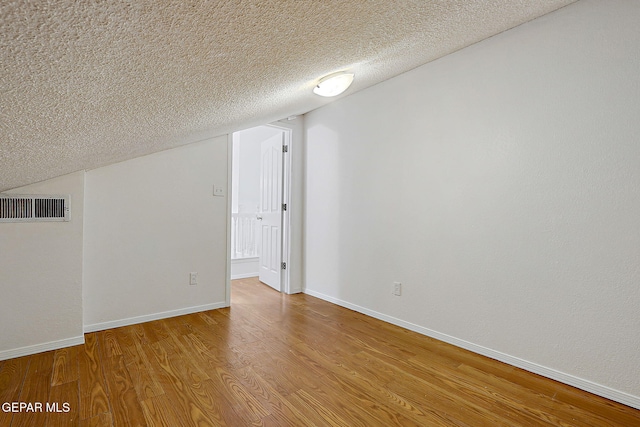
41	276
149	222
501	186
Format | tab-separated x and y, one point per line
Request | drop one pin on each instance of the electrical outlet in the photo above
397	289
193	279
218	190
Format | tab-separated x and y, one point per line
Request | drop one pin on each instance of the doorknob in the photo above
259	217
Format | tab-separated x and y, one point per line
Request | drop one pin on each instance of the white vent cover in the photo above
32	208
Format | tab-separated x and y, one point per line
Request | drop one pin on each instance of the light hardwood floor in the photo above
280	360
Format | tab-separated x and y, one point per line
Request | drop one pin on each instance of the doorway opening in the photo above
260	225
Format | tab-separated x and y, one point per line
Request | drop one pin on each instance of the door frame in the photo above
292	195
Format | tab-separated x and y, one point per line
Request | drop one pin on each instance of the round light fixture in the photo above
333	84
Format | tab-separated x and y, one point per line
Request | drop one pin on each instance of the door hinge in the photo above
284	265
285	148
284	206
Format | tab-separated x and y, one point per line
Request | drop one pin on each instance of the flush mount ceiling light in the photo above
333	84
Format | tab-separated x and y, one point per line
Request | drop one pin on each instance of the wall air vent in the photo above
33	208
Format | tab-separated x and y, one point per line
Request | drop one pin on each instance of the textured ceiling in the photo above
88	83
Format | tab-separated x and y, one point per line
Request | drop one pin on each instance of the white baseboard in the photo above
149	317
243	276
39	348
242	268
591	387
245	260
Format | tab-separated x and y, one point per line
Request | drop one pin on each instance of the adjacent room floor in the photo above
284	360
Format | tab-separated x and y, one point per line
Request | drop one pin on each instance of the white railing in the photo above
244	235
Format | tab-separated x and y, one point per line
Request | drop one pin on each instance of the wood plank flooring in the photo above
286	360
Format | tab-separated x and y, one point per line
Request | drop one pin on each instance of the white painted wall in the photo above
501	186
41	276
149	222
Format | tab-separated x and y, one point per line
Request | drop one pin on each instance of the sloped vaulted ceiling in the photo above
88	83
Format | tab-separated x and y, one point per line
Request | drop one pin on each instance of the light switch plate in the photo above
397	289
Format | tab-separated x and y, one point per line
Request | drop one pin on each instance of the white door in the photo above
271	211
